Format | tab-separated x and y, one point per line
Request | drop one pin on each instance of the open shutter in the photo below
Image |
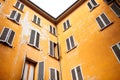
41	71
18	17
68	44
21	7
73	74
72	41
79	74
37	40
32	37
89	5
116	51
52	74
12	15
94	2
106	20
68	23
4	34
10	39
17	4
116	8
64	25
100	22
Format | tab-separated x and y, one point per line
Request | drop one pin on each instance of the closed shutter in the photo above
21	7
18	17
10	39
37	40
12	15
89	5
100	22
17	4
68	23
38	21
51	48
64	25
57	75
32	37
106	20
116	8
116	51
68	44
73	74
94	3
72	41
79	74
34	19
41	71
52	74
4	34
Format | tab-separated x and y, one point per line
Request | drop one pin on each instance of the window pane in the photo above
12	15
37	40
72	41
41	71
21	7
38	22
73	75
65	27
89	5
54	32
4	34
50	29
18	17
51	48
34	19
31	72
17	4
10	39
52	74
105	19
68	23
94	2
32	37
25	71
68	44
100	22
79	74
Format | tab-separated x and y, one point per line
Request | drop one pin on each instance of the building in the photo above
80	44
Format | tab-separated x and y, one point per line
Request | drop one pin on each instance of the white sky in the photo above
54	7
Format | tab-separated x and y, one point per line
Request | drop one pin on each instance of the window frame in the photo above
18	8
67	26
93	6
36	21
52	32
55	73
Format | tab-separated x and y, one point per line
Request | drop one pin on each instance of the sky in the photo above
54	7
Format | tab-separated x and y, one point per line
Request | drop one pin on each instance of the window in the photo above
36	20
92	4
70	43
34	39
52	30
116	9
54	74
103	21
66	25
116	50
19	6
7	36
15	16
41	71
108	1
76	73
54	49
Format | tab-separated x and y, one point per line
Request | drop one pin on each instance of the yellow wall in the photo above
93	52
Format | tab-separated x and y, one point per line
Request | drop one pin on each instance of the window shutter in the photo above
68	23
32	37
51	48
89	5
37	40
18	17
21	7
58	49
93	1
100	22
68	44
4	34
41	71
10	39
79	74
73	74
17	4
116	8
13	14
106	20
54	32
52	74
65	27
116	51
34	19
57	75
50	29
38	21
72	41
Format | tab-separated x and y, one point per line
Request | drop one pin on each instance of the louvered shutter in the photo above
116	51
72	41
10	39
68	44
12	15
52	74
57	75
4	34
94	3
37	40
64	25
41	71
100	22
21	7
17	4
32	37
116	8
79	74
68	23
18	17
89	5
106	20
73	74
38	21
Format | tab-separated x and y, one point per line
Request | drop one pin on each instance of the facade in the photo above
80	44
